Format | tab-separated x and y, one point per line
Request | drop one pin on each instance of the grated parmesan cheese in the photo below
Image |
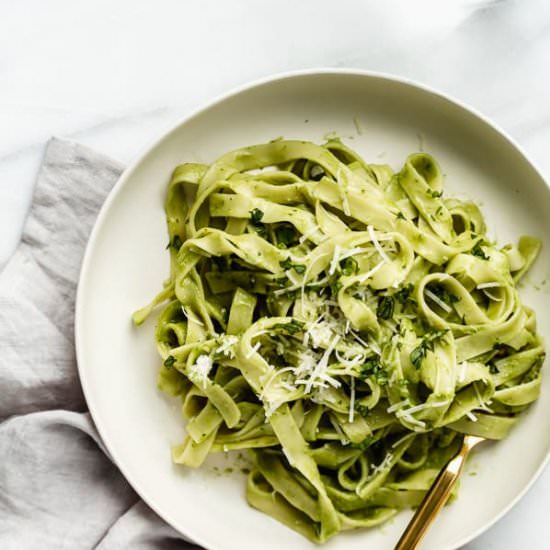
488	285
462	374
343	188
270	407
375	347
192	317
421	407
351	400
403	439
315	323
320	334
409	315
322	365
253	350
343	439
359	339
396	406
226	348
384	465
369	274
201	369
358	359
330	380
377	244
491	296
349	252
274	375
437	300
482	405
412	420
335	259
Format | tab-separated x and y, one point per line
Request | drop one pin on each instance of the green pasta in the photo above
344	323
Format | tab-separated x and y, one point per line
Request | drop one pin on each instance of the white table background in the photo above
114	74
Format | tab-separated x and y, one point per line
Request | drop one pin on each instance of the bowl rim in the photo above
173	128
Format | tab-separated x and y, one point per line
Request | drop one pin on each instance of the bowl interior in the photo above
383	119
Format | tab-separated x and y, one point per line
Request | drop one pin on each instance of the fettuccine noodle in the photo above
344	323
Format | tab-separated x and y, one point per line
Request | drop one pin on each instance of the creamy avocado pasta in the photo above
342	322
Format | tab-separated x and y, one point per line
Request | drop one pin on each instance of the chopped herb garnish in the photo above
534	372
175	243
292	327
373	367
169	361
287	264
498	345
479	252
443	294
256	216
348	266
417	356
335	287
286	235
385	307
365	444
381	377
361	409
435	194
435	335
419	353
404	294
400	216
260	229
370	366
255	219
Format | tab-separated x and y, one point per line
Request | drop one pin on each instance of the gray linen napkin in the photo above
58	488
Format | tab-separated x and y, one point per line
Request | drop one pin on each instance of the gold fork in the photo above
437	496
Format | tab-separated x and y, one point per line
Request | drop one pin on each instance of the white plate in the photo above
384	119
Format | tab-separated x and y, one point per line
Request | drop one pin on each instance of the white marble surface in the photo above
115	74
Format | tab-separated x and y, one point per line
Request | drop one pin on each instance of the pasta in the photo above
342	322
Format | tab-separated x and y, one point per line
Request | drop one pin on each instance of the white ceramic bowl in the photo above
383	118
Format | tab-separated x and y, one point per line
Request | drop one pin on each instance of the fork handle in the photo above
434	500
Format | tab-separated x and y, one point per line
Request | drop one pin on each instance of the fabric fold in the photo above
58	487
